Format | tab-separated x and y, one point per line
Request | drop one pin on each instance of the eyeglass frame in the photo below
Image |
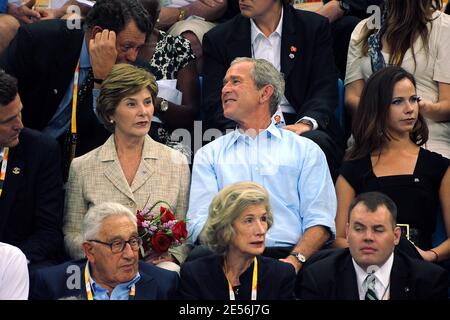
110	244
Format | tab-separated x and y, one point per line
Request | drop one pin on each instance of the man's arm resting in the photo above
312	240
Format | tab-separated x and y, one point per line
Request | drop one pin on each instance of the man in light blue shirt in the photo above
292	168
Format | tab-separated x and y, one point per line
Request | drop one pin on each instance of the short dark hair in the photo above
116	14
370	122
373	200
8	88
153	8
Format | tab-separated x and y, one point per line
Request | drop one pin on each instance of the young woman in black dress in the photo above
388	130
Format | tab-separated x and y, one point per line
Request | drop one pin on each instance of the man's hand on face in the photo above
25	12
103	52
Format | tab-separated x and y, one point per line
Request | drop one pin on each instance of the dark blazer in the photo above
311	80
67	280
204	279
31	205
332	276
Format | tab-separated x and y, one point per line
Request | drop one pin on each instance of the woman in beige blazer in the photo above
130	168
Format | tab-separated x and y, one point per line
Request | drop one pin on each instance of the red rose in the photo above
179	231
166	215
161	242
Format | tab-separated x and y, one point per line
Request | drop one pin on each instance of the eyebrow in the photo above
12	117
225	80
9	119
134	234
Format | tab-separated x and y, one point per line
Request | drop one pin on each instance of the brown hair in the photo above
370	122
405	21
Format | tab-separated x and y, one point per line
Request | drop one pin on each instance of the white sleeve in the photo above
14	280
353	70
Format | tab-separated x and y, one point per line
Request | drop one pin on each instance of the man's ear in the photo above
88	249
265	93
94	31
397	234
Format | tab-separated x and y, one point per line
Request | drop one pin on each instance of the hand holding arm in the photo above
437	111
331	10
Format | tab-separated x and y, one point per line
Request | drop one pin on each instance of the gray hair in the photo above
226	207
95	216
264	73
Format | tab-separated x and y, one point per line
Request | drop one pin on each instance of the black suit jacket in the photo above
67	280
204	279
311	80
31	205
330	275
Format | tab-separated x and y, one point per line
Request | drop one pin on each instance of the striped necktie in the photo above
370	293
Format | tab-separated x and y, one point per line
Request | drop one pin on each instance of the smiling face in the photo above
107	268
250	231
371	235
133	115
11	123
240	97
404	109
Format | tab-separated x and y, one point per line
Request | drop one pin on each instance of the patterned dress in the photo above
172	53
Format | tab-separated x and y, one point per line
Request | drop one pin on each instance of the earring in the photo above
111	121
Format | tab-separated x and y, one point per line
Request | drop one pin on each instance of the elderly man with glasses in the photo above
112	270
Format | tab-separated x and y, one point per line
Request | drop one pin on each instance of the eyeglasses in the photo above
118	245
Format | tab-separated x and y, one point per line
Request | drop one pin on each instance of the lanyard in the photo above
254	282
73	123
89	290
3	169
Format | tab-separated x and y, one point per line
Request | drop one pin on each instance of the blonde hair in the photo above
124	80
226	207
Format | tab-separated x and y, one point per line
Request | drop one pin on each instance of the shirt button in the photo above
131	204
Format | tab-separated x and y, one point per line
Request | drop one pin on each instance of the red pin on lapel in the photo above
293	50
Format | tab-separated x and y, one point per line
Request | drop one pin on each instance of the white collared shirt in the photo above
382	276
269	48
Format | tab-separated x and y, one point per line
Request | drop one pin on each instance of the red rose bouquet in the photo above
159	230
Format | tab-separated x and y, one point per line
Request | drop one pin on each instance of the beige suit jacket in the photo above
97	177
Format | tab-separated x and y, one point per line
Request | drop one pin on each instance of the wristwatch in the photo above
181	14
344	6
164	105
300	257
